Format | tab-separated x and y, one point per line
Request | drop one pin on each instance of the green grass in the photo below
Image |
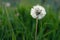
22	27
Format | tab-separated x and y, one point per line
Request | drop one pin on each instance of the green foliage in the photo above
22	27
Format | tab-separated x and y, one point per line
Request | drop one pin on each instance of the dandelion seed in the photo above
38	11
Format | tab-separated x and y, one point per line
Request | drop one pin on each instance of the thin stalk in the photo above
36	28
23	37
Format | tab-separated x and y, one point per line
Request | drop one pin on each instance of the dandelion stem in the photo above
36	28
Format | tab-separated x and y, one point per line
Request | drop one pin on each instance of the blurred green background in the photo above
16	22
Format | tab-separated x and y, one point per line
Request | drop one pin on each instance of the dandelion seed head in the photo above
38	12
7	4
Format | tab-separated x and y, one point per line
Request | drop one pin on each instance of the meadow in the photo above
16	23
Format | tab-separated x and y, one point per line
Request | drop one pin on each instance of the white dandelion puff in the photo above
38	12
7	4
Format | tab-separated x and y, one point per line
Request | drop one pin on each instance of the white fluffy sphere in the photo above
38	12
7	4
